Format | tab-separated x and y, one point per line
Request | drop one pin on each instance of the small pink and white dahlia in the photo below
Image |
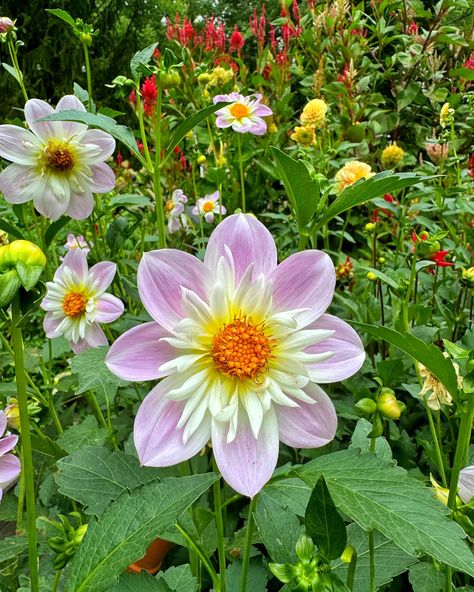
244	114
466	484
76	301
57	164
10	466
174	208
241	344
77	242
209	205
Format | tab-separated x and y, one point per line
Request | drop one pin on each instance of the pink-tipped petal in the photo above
304	280
80	346
8	443
10	469
51	205
50	325
37	109
101	140
466	484
104	273
76	260
309	425
158	440
262	111
247	463
80	205
71	128
108	308
94	336
103	178
258	127
20	183
348	351
138	354
19	145
161	276
248	240
3	423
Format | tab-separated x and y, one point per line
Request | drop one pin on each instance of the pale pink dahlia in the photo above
10	466
466	484
77	242
57	164
209	205
244	114
76	301
240	344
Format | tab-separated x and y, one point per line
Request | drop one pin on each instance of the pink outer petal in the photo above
50	205
102	179
158	441
161	275
76	260
249	242
95	337
247	463
258	128
80	346
20	183
349	354
262	111
138	353
8	443
309	425
3	423
304	280
50	325
108	308
71	128
466	484
104	272
37	109
10	469
101	140
13	148
80	205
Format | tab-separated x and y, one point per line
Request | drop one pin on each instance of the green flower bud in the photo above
169	79
283	571
21	250
305	548
201	159
371	276
57	544
9	286
388	405
60	561
21	264
347	554
467	277
366	406
370	227
86	38
80	533
204	78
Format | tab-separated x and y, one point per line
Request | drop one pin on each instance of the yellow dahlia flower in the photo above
314	113
304	135
392	155
351	172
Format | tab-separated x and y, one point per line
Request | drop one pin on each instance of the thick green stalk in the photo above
241	167
27	453
439	456
220	534
464	436
160	215
89	76
248	544
406	303
13	56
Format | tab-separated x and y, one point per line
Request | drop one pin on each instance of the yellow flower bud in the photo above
370	227
467	277
382	259
388	405
12	413
347	554
21	250
204	78
371	276
201	159
392	155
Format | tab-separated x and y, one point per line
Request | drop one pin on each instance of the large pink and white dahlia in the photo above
57	164
244	114
10	466
241	344
76	302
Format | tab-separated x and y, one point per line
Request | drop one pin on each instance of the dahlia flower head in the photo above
174	208
244	114
76	302
209	205
352	172
392	155
241	344
314	114
10	466
466	484
56	164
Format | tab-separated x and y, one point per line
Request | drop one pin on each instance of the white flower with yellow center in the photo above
244	114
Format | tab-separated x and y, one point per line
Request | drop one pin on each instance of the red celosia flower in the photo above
469	63
470	170
388	197
257	26
374	217
236	40
267	70
439	259
149	94
413	28
140	146
156	54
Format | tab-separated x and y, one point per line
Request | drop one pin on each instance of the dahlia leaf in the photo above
380	496
142	582
91	370
424	577
54	228
123	532
10	229
140	59
63	15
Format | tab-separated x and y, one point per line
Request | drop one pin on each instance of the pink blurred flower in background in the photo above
10	466
209	205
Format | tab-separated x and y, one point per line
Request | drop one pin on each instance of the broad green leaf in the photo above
390	560
382	276
380	496
424	577
12	547
178	578
257	577
54	228
12	72
187	125
465	73
323	522
279	528
302	190
10	229
130	199
361	440
427	354
124	531
86	433
142	582
364	190
91	370
96	476
141	58
290	493
63	15
109	125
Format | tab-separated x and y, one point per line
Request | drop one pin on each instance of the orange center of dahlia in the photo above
169	205
241	348
238	110
208	206
74	304
59	156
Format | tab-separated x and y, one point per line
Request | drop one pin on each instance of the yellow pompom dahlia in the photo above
304	135
314	114
351	172
392	155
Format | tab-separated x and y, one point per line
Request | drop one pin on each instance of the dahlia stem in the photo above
248	545
439	455
89	77
220	532
160	216
465	428
241	167
372	561
26	449
202	556
13	56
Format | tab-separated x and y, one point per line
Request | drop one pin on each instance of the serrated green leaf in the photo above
86	433
12	547
142	582
380	496
96	476
290	493
257	576
427	354
323	522
91	370
424	577
124	531
142	57
390	560
63	15
361	440
178	578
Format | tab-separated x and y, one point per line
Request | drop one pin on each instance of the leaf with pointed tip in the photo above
63	15
141	58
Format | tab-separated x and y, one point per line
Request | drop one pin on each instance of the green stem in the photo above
372	561
199	552
160	215
89	77
351	570
13	55
27	453
464	436
302	241
220	532
439	456
142	128
406	302
57	577
248	545
241	168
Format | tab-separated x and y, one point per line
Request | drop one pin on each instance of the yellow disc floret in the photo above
59	156
241	348
239	110
74	304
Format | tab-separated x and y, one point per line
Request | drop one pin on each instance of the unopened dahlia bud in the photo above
366	406
12	413
201	159
370	227
6	24
467	277
388	405
204	78
347	554
21	264
371	276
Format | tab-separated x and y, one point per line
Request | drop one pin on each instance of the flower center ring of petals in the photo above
59	156
239	111
74	304
241	348
208	206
